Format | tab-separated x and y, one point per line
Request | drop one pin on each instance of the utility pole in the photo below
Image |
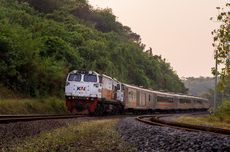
215	90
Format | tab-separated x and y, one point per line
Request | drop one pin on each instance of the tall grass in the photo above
49	105
6	93
223	111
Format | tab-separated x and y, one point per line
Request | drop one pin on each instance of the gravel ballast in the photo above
154	138
13	133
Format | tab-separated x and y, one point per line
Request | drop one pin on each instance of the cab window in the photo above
90	78
74	77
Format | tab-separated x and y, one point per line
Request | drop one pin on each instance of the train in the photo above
88	92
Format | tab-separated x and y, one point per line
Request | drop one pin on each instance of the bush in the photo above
224	108
50	105
223	111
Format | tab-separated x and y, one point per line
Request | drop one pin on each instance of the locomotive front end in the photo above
82	91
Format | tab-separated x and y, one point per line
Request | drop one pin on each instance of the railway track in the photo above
157	120
19	118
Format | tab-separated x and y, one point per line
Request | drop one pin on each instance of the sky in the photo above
178	30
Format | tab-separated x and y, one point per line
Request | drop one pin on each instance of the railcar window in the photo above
199	101
132	95
74	77
90	78
164	99
185	101
149	97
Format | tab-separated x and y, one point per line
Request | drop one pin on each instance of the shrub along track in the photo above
157	120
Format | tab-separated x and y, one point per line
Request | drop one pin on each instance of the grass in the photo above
89	136
49	105
223	111
8	93
221	118
209	120
12	102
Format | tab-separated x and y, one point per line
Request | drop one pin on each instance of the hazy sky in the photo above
179	30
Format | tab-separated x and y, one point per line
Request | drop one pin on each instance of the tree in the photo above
222	45
42	40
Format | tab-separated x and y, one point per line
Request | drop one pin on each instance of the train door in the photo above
126	100
151	101
120	92
154	100
143	99
177	102
138	98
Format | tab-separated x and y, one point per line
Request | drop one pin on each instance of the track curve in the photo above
156	120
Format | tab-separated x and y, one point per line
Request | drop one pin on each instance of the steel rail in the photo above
19	118
155	120
33	115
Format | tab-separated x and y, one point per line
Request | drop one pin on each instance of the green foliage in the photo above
224	108
211	120
223	112
46	6
42	40
6	93
50	105
222	45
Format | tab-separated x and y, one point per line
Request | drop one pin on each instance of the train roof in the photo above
92	72
83	72
164	93
107	76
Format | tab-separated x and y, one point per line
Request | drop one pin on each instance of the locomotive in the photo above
88	92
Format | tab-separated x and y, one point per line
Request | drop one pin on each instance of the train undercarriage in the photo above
94	106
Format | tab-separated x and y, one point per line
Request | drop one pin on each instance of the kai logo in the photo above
80	88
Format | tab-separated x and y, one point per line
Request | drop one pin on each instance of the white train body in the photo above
83	84
90	84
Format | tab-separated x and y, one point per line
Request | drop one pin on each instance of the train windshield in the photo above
90	78
74	77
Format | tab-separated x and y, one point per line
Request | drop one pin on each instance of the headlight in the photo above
96	85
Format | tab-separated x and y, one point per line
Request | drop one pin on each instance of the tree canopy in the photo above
42	40
222	46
